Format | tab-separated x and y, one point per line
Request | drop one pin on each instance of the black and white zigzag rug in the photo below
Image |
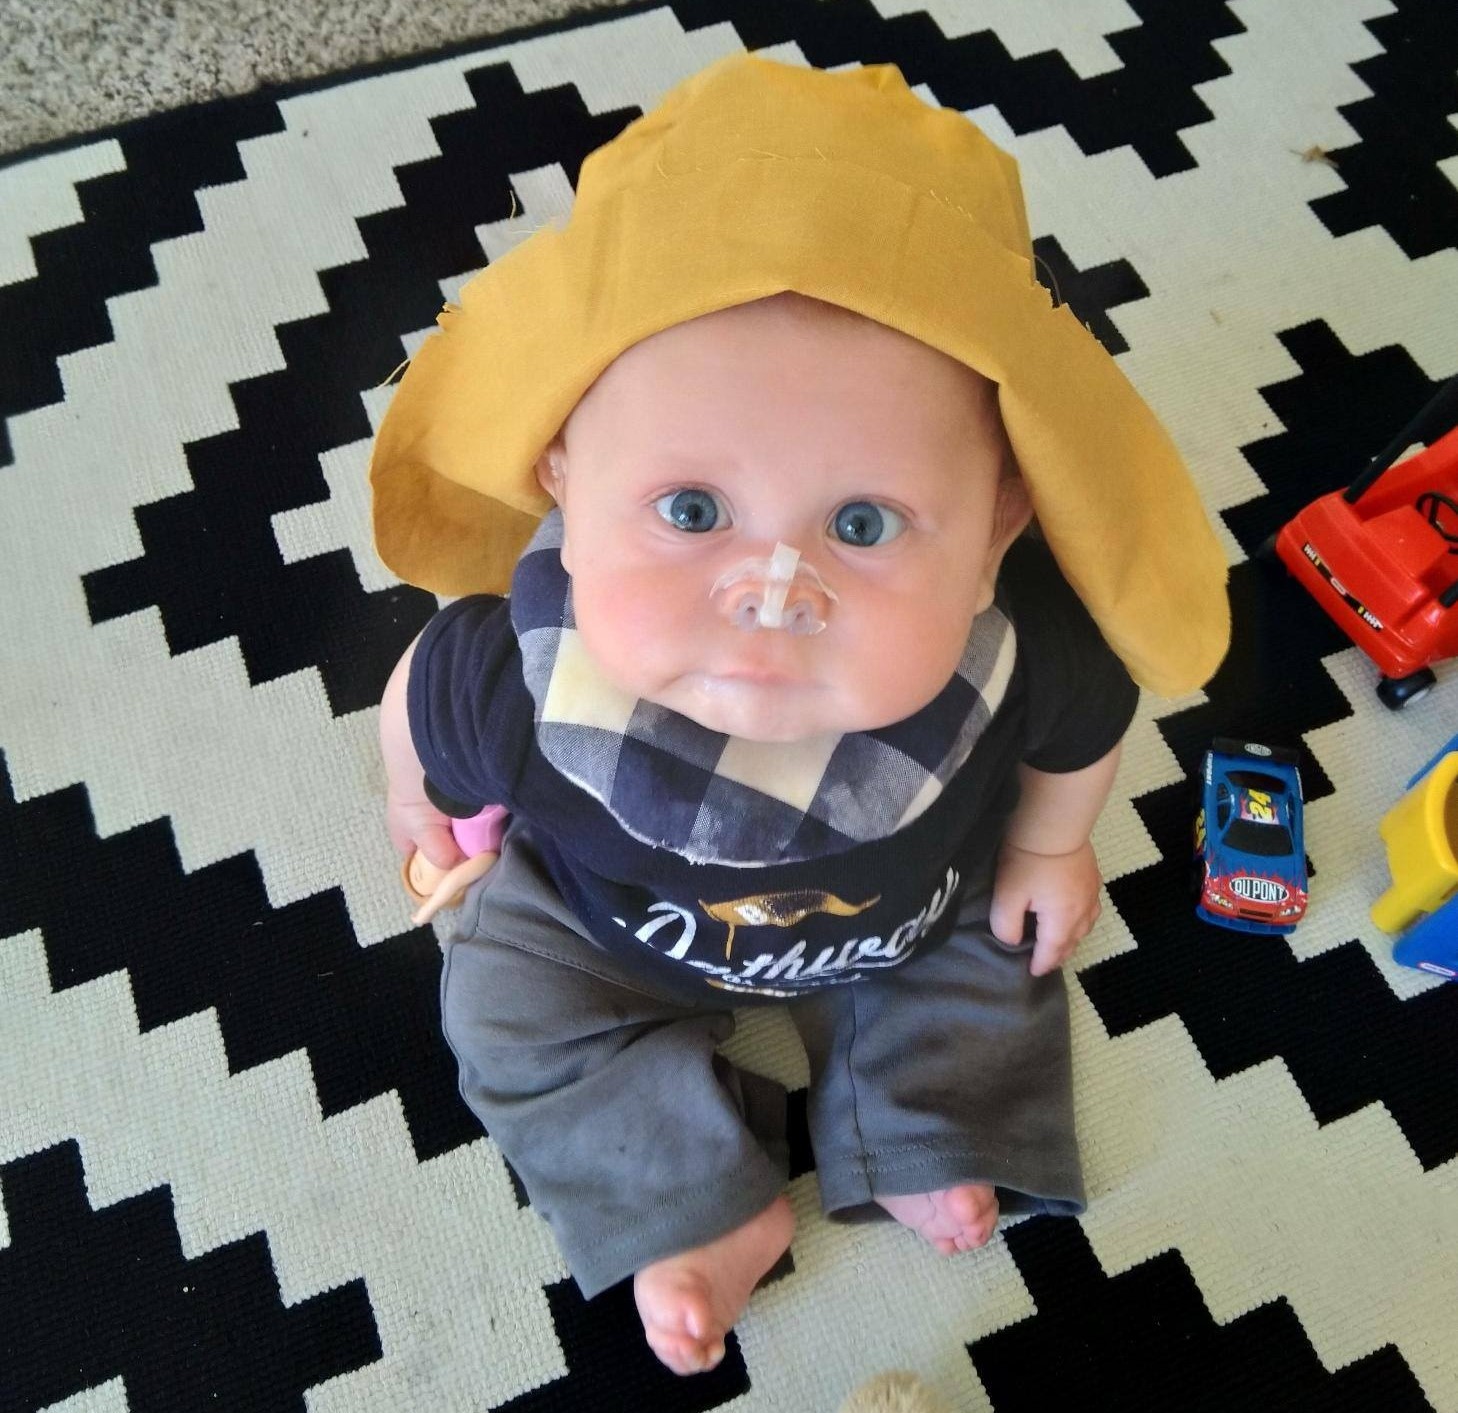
234	1170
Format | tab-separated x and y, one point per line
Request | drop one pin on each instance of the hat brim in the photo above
456	492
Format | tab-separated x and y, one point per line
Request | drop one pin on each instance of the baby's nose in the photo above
780	591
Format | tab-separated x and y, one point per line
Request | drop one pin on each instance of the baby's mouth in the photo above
755	677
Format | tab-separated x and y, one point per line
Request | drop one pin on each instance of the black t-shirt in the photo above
782	928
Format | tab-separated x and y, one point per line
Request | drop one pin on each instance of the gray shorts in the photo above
635	1139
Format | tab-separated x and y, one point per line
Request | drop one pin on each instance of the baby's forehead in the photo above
906	471
854	379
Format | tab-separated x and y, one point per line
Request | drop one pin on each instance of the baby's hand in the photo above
1061	889
417	824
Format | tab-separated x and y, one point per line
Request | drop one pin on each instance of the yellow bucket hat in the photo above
751	179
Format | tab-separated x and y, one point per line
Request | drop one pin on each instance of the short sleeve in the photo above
1081	697
454	708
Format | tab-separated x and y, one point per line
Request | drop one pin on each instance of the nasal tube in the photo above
776	592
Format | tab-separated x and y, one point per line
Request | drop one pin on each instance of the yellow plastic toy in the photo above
1421	835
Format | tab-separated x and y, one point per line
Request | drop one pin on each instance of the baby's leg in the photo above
941	1090
643	1149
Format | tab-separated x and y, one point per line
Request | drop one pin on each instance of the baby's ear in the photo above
551	474
1013	511
552	477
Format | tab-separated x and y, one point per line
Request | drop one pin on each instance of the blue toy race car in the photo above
1250	862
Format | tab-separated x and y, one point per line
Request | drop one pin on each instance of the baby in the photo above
783	704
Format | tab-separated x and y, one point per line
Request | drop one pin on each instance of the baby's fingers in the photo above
438	845
1049	956
1058	938
1009	913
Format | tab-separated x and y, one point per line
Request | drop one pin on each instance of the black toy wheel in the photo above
1265	552
1397	692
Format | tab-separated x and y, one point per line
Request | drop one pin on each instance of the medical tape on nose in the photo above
777	588
778	575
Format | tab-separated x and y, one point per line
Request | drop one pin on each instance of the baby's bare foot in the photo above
689	1302
954	1219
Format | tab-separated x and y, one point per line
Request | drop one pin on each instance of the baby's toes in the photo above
675	1352
679	1323
974	1209
684	1354
956	1219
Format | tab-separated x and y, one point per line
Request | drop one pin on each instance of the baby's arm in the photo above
414	822
1047	864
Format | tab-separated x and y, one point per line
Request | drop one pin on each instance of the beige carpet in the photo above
74	66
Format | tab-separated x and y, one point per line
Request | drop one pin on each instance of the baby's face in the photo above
879	459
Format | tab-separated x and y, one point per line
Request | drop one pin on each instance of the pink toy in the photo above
432	888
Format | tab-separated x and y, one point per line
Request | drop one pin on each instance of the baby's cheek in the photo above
657	612
636	628
901	656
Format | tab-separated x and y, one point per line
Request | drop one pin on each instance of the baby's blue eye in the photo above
694	511
863	524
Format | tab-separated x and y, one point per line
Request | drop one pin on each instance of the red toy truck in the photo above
1381	557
